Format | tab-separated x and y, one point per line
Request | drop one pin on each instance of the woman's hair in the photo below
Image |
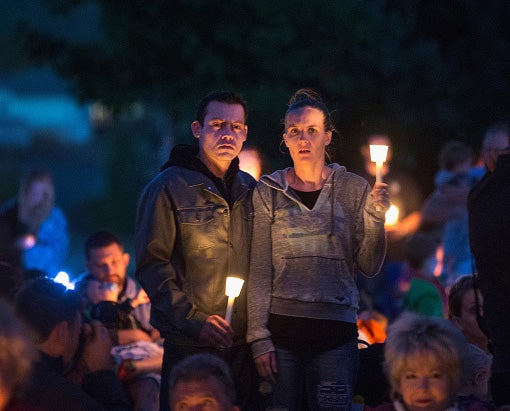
308	98
414	336
456	294
16	349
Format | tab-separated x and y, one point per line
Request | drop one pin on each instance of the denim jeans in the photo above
314	380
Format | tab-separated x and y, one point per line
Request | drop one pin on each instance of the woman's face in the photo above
305	135
425	386
466	321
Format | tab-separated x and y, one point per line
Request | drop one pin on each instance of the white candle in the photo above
233	289
378	155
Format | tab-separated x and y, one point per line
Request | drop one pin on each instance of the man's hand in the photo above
217	332
131	336
97	347
141	298
266	366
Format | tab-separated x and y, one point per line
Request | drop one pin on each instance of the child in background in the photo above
425	294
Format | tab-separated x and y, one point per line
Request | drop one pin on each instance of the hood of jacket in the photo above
185	156
278	181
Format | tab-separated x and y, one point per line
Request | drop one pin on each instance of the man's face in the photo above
108	264
200	395
223	133
37	201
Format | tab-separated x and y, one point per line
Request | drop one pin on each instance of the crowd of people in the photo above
342	307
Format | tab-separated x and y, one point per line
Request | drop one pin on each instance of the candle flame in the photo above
378	153
234	286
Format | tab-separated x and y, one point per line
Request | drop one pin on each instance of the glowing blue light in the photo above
63	278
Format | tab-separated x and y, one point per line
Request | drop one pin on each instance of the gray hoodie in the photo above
304	262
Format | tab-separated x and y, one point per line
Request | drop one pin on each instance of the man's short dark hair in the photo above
100	239
228	97
43	303
199	367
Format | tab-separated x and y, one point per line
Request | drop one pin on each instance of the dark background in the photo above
423	71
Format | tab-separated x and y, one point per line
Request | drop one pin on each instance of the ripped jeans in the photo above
314	380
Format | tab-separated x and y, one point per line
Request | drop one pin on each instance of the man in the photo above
193	230
67	375
107	262
489	232
33	230
202	382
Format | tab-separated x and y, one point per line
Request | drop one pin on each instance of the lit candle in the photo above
233	289
378	156
391	215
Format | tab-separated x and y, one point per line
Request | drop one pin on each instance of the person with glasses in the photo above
489	229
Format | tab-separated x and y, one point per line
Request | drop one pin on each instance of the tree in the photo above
431	71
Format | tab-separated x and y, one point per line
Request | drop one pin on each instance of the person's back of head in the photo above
421	249
199	378
42	304
453	154
496	141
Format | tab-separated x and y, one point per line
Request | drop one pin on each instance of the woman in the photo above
314	226
464	307
424	358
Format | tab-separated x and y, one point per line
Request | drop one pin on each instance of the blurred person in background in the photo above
445	210
74	369
465	302
425	294
16	355
110	293
489	232
34	232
